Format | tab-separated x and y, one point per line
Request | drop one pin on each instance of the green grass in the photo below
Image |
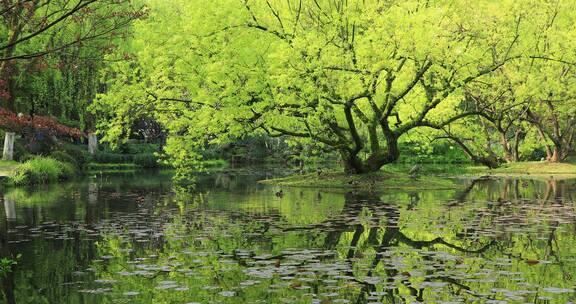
394	176
535	169
41	170
520	169
374	181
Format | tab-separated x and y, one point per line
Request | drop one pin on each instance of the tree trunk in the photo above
508	153
489	162
380	158
519	136
557	155
354	165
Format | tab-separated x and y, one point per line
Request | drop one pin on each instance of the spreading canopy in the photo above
356	76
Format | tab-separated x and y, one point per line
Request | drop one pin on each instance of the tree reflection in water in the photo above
235	242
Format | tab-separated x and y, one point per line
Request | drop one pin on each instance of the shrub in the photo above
537	154
78	152
64	157
146	160
41	170
21	152
141	148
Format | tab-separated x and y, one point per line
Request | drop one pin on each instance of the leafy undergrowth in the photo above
374	181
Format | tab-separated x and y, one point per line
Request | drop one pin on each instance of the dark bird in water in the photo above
415	171
280	193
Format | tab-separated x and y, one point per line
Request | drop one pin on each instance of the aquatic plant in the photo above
6	265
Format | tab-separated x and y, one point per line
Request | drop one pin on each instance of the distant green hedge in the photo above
146	160
75	154
112	158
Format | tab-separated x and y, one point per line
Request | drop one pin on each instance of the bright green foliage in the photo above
6	266
529	103
358	77
41	170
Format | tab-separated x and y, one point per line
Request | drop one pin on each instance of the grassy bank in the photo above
40	170
535	170
520	169
394	176
372	182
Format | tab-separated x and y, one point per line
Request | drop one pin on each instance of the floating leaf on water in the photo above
131	293
433	284
558	290
105	281
227	294
249	283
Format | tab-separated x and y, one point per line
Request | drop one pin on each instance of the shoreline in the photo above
393	177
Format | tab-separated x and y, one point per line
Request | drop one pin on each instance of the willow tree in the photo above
355	76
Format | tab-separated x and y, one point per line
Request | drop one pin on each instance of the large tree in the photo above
355	76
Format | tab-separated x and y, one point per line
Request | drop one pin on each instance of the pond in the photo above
135	238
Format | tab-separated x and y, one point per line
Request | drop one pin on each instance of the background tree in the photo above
530	98
51	50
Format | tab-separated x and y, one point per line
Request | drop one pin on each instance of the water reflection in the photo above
10	209
135	239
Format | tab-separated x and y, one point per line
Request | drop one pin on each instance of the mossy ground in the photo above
373	182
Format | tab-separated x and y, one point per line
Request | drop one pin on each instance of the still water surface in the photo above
134	238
